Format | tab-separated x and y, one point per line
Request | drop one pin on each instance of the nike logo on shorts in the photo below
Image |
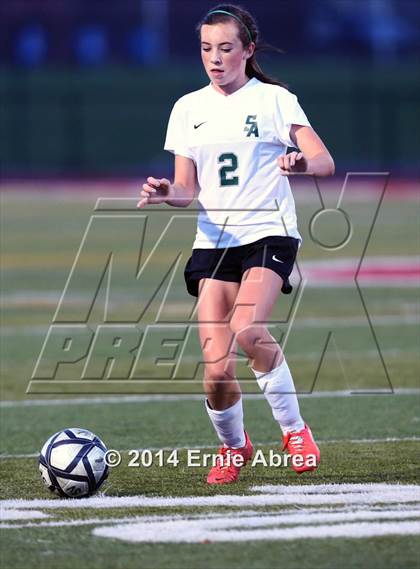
199	124
275	259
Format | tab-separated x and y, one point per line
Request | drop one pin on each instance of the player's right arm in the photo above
178	194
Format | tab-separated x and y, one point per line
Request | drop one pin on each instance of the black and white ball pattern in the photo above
72	463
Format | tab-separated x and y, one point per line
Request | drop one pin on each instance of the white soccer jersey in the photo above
234	142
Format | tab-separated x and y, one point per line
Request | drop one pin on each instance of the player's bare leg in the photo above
216	300
224	401
251	312
257	294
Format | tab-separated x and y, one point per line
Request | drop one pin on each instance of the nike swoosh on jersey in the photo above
199	124
275	259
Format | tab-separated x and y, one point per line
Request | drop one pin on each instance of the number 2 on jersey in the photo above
225	172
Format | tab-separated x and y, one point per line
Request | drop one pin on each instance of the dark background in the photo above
86	86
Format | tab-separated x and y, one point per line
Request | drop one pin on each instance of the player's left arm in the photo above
313	158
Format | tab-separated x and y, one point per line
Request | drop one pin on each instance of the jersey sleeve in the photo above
177	134
288	112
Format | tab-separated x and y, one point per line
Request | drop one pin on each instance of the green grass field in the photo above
183	424
364	439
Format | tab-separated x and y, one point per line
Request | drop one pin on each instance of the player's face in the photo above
223	55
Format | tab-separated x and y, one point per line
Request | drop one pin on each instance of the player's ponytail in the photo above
248	32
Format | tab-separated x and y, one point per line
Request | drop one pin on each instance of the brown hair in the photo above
248	31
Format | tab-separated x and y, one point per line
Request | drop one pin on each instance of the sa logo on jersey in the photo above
252	129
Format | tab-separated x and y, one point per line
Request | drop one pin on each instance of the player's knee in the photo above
215	376
246	332
240	324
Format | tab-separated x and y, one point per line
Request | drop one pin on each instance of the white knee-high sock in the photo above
229	424
279	390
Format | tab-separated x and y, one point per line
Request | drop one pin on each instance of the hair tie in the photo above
233	16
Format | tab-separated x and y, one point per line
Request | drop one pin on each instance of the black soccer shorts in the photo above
229	264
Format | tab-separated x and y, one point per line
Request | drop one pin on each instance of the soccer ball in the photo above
72	463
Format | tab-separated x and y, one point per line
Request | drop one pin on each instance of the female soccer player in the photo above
232	135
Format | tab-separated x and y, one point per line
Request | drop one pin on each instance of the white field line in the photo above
91	521
318	494
358	511
112	400
256	443
195	532
329	322
11	515
7	514
304	516
338	488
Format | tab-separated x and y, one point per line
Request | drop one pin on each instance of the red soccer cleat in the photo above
229	463
303	450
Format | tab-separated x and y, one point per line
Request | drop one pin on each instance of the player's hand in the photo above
293	163
155	191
